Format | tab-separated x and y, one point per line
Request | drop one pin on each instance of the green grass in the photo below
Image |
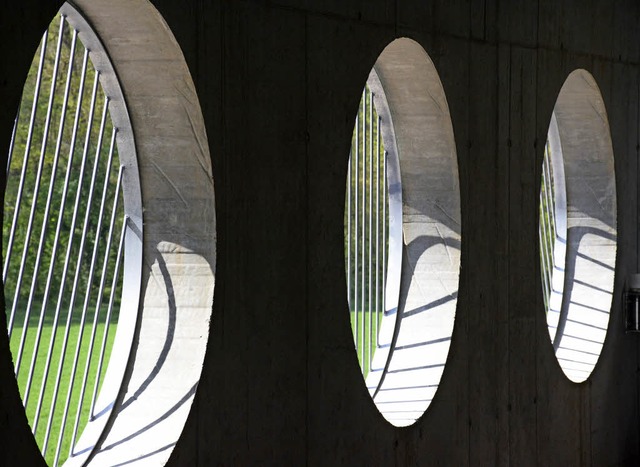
360	236
45	223
39	370
370	338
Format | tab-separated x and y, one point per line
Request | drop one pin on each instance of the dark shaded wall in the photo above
279	83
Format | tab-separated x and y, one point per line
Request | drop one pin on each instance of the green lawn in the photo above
63	158
47	396
370	338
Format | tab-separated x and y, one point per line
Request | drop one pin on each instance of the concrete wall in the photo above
279	83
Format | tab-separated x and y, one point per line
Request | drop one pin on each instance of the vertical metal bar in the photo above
56	242
549	163
92	265
377	227
547	182
548	233
370	236
363	218
543	256
384	231
74	288
103	278
550	239
552	214
13	138
27	151
551	189
348	254
114	283
45	218
545	284
548	263
542	233
548	215
64	276
356	291
547	228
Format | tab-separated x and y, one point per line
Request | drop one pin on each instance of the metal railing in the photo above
63	239
547	226
372	184
553	228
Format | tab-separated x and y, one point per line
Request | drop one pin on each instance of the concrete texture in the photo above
279	83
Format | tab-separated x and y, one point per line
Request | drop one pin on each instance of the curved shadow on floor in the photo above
168	341
420	244
577	234
120	403
162	417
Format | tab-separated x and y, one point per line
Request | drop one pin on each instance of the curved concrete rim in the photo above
170	327
414	345
131	266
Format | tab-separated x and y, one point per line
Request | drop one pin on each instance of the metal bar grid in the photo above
366	224
50	230
27	151
32	213
547	227
364	186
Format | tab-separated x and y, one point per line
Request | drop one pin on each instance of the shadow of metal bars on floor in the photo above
63	238
552	227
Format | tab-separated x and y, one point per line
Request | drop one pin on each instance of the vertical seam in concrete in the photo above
637	252
464	270
306	231
198	83
591	444
508	249
200	77
469	21
395	19
222	147
484	21
637	247
537	315
223	195
198	31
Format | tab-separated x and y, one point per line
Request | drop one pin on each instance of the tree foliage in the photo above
57	140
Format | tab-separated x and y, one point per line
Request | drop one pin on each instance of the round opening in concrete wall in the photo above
402	232
108	318
578	225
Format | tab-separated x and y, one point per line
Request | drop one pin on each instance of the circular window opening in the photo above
577	227
108	322
402	232
70	200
